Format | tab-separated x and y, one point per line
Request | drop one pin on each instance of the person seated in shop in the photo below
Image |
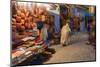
41	21
43	27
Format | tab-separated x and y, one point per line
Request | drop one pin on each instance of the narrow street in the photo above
78	50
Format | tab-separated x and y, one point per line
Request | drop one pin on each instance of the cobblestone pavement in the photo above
78	50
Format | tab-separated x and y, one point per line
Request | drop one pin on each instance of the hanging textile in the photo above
57	23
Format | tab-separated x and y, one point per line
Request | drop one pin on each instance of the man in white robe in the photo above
65	34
